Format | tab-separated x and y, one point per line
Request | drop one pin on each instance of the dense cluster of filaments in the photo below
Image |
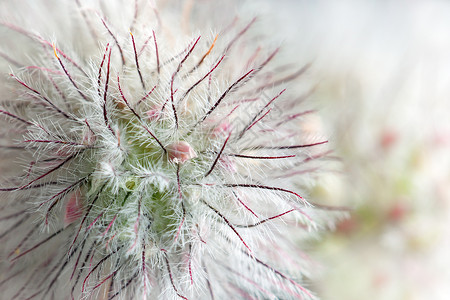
156	171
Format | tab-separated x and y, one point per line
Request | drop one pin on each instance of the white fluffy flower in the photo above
154	162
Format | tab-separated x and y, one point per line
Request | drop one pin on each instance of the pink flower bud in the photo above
74	208
222	129
228	164
153	114
180	152
89	137
397	211
388	139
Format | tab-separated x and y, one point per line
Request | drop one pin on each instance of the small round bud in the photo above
223	128
74	208
153	114
180	152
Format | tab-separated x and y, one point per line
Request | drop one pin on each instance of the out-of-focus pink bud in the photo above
74	208
397	211
180	152
223	128
88	137
153	114
388	139
228	164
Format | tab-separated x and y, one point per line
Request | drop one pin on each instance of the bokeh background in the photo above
383	91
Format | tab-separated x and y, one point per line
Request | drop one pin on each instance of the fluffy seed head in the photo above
156	164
